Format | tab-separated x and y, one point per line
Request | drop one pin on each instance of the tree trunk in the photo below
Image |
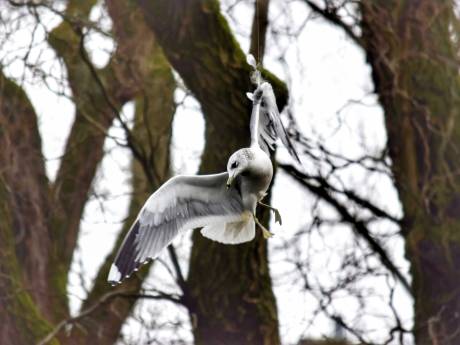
25	301
412	47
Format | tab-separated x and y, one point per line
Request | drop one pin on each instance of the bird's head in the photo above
238	164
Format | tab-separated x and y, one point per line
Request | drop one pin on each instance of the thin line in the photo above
258	31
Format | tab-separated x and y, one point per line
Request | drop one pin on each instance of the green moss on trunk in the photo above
21	323
411	48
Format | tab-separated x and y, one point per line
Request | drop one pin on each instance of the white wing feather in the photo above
270	126
184	202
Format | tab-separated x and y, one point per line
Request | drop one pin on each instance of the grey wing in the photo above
184	202
270	125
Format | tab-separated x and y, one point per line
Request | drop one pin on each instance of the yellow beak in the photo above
230	181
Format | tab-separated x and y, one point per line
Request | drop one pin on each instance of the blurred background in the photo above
102	101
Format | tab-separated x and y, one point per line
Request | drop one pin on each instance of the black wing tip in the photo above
116	277
294	154
125	262
291	149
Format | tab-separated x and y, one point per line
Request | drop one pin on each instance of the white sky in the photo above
327	71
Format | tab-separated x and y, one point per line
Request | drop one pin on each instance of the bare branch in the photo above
102	302
358	225
330	14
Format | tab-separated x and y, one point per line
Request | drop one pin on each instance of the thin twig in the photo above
358	225
102	301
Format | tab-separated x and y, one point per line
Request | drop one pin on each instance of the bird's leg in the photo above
275	211
267	234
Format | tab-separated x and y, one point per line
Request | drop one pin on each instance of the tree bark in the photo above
26	301
230	295
412	47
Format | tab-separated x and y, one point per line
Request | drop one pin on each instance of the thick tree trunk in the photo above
25	300
412	47
229	289
152	130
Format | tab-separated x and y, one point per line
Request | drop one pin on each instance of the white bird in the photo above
224	205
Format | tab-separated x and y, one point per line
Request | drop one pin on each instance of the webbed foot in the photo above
266	233
275	211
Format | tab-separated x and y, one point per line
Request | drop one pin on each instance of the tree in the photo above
412	47
416	77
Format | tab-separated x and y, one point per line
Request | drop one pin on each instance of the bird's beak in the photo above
230	181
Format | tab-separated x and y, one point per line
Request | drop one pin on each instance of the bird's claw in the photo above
267	234
275	211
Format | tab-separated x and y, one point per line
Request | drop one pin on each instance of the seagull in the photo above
223	205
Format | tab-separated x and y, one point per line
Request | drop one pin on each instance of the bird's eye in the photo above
234	165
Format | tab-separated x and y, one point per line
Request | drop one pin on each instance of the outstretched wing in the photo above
184	202
270	126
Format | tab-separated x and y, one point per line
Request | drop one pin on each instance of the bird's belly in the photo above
263	187
256	188
259	184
